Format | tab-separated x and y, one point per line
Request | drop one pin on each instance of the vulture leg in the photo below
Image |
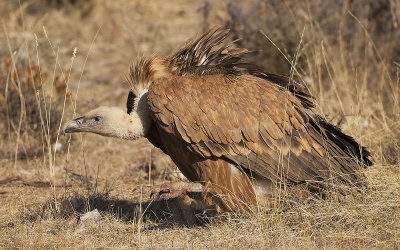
170	187
177	190
172	190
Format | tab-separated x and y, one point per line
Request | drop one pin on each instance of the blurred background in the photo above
61	58
345	52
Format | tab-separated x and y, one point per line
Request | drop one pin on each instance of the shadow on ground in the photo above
161	213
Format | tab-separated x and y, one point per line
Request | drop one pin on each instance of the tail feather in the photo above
347	144
347	152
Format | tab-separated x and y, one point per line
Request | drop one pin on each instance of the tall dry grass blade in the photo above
17	85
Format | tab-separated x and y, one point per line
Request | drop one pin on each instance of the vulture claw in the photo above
152	189
171	190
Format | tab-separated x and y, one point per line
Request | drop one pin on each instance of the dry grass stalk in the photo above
346	53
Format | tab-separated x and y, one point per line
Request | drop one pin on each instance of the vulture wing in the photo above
254	123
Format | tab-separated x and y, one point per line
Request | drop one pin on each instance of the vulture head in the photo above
114	122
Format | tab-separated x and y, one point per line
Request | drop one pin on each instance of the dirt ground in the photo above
61	58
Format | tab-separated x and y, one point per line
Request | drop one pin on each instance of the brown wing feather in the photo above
211	54
254	123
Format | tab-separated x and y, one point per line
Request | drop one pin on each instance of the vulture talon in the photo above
152	189
178	193
170	190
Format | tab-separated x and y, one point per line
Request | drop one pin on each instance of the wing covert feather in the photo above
247	120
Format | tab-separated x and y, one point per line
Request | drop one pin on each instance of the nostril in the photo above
79	119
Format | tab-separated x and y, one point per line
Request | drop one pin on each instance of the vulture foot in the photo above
172	190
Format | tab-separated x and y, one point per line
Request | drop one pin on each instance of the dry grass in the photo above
70	56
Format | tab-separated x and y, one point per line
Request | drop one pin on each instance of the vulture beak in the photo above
73	125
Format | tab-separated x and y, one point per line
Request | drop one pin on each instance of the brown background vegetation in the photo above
65	57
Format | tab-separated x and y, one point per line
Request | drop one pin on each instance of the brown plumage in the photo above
234	128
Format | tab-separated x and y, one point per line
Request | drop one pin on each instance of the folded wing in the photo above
256	124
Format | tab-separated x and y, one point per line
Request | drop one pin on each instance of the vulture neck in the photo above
133	126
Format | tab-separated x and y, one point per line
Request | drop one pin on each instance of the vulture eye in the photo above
97	118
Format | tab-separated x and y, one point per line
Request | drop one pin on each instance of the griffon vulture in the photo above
227	124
